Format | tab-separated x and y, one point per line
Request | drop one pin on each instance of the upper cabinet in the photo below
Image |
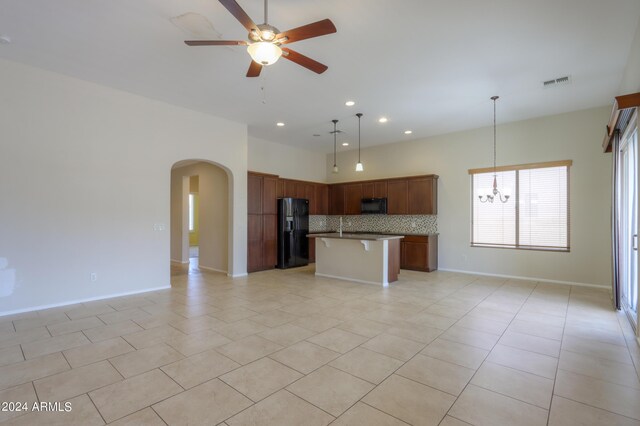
269	195
352	198
412	195
415	195
322	199
423	195
336	200
397	197
254	194
374	189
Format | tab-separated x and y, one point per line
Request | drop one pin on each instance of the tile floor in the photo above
285	348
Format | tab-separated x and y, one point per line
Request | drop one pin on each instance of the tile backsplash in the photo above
401	224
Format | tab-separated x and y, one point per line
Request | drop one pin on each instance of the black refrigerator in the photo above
293	227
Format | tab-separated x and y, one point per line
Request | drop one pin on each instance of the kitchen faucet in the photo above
340	226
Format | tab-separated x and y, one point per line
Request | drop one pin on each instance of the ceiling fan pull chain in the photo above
263	88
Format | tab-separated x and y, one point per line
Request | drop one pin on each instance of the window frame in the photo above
192	212
516	198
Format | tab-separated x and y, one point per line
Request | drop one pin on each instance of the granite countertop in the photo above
374	233
357	236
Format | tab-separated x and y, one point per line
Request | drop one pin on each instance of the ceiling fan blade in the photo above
216	43
305	61
235	9
304	32
254	69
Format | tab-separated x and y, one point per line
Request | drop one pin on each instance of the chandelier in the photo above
490	196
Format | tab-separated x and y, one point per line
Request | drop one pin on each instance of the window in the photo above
192	212
536	216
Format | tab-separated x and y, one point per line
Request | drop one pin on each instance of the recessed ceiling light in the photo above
345	143
382	120
5	39
407	132
280	124
350	103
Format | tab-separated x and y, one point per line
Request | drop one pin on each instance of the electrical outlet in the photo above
94	277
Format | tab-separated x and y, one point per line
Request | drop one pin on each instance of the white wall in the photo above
573	136
631	80
85	175
286	161
213	195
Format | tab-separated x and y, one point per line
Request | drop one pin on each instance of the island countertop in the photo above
356	236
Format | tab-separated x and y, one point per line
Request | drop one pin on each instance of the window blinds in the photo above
536	215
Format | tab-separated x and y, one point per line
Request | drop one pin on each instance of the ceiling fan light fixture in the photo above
264	53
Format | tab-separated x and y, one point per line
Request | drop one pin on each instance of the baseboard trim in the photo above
516	277
73	302
180	262
244	274
351	279
206	268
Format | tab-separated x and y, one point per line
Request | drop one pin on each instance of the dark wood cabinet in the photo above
312	250
368	190
352	198
397	197
336	200
419	253
262	208
422	194
280	189
263	191
322	199
269	241
290	189
254	243
310	194
375	189
269	195
411	195
380	189
254	194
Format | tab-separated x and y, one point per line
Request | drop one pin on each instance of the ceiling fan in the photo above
265	40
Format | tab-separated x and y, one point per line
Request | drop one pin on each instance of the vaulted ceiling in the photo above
429	66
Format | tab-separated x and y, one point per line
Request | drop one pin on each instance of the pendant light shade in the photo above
359	166
335	146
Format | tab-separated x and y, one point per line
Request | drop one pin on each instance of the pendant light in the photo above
490	196
359	166
335	146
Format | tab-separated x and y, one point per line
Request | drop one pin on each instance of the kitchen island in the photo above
365	258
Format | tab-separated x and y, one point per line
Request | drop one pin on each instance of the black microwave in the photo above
373	206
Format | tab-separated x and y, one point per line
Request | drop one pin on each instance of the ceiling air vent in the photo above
560	81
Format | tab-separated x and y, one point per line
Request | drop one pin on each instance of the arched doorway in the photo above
200	215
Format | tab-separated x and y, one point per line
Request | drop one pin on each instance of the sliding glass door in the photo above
628	191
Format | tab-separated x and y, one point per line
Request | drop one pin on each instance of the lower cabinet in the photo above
312	250
419	253
270	241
